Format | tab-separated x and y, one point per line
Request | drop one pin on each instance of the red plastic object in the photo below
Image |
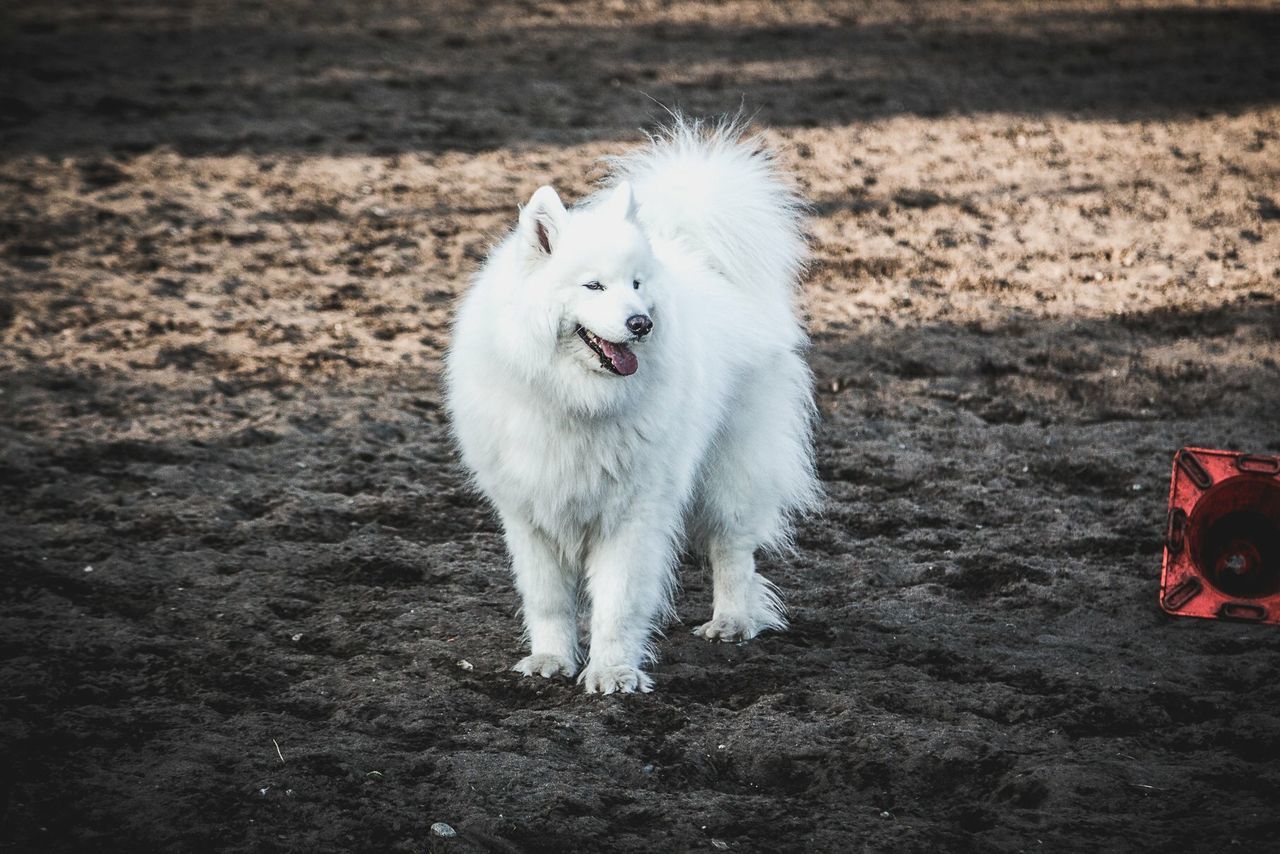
1222	537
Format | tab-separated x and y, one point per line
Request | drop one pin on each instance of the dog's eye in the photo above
635	283
594	286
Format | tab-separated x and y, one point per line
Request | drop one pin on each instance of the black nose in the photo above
640	324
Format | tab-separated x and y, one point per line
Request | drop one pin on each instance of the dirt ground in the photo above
248	603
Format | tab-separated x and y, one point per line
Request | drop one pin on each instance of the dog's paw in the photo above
545	665
618	678
728	629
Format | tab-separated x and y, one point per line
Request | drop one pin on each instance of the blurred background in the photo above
248	603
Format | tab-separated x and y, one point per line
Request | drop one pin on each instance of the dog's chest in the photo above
572	474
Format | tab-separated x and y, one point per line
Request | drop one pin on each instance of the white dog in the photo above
630	371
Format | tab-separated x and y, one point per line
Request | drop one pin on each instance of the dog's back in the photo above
721	194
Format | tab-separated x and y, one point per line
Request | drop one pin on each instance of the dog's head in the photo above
598	271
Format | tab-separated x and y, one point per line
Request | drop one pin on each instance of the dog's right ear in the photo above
542	220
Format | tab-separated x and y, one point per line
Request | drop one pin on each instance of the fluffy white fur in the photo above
600	478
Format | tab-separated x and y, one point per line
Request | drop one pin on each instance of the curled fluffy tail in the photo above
719	192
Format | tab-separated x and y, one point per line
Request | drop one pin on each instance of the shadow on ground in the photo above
217	77
976	657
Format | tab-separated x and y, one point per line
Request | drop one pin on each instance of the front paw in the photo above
545	665
729	629
617	678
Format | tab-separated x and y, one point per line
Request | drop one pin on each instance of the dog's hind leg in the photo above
745	603
759	474
549	599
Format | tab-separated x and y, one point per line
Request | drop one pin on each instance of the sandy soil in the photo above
248	604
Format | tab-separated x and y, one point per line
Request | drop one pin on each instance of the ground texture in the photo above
248	603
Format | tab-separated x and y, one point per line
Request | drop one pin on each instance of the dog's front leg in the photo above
629	582
549	602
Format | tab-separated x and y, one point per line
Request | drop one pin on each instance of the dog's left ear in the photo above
621	203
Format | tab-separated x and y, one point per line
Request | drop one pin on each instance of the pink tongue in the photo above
624	361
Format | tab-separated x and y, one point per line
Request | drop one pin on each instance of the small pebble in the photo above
466	665
444	830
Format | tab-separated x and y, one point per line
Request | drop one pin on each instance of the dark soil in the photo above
248	603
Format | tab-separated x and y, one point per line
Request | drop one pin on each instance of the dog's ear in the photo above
621	203
542	220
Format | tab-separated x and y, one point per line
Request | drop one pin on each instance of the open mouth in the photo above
616	358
